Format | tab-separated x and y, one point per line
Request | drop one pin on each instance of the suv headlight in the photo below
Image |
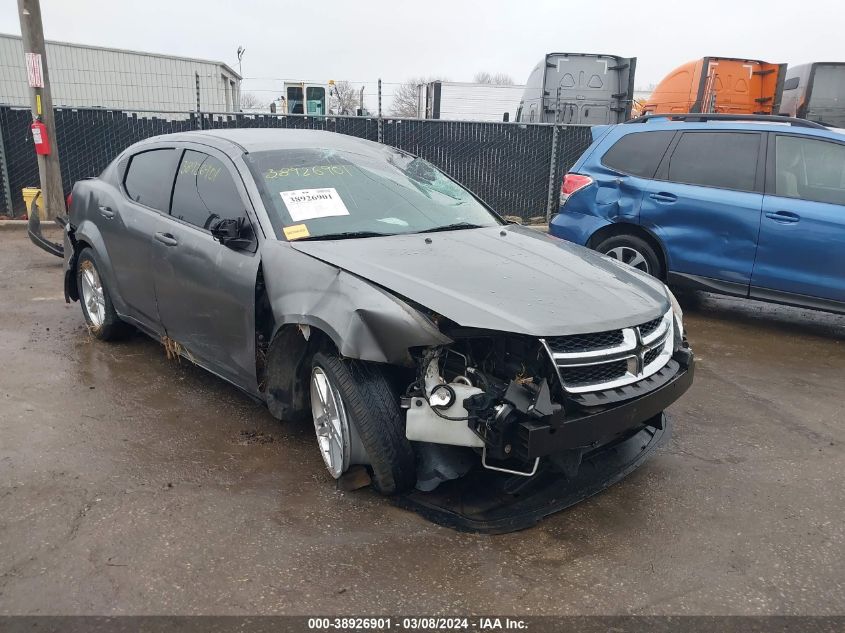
678	312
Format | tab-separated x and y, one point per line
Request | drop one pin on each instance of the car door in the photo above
631	161
127	222
206	291
802	235
704	206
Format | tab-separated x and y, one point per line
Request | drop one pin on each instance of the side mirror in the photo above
233	233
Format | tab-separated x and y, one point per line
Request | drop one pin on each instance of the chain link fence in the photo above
516	168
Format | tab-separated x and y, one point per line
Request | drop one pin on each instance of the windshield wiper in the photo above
458	226
347	235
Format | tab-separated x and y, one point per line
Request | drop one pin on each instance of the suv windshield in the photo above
331	194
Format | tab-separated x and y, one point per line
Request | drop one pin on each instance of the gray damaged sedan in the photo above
351	283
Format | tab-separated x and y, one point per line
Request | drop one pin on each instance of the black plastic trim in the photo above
708	284
797	300
559	432
695	117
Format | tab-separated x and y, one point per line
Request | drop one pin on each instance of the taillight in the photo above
68	200
573	183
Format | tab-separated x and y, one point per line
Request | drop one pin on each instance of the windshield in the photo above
314	193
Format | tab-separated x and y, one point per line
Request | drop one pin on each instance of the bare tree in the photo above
405	97
250	101
346	97
406	94
500	79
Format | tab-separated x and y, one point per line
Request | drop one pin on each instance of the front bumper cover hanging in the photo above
495	503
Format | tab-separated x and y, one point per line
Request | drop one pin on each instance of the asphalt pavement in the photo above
134	484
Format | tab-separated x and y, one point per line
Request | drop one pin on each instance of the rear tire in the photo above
97	307
371	406
634	251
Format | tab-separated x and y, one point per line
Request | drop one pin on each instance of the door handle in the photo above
783	217
663	197
167	239
106	212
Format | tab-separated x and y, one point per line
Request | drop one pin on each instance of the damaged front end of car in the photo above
516	418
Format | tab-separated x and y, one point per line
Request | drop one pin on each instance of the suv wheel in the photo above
634	251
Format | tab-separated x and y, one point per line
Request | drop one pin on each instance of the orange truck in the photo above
719	84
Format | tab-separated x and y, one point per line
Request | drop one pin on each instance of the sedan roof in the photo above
264	139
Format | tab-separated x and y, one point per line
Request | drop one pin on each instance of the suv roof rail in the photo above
716	116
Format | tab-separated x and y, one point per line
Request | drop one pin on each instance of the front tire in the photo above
355	410
634	251
97	307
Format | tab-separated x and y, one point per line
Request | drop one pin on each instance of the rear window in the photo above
638	154
149	177
727	160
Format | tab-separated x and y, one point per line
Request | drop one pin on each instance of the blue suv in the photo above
752	206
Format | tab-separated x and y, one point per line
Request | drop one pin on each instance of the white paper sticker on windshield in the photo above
308	204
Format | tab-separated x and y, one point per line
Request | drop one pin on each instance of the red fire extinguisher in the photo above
39	136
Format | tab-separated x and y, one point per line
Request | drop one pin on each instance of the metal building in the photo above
93	76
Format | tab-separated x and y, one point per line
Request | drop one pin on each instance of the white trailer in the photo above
460	101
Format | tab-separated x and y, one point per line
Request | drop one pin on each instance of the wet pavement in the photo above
133	484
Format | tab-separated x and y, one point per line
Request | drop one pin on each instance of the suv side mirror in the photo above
234	233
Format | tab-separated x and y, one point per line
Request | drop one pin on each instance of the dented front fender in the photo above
363	320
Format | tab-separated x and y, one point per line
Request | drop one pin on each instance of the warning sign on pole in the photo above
34	71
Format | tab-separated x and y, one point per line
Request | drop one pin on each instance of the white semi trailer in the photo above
460	101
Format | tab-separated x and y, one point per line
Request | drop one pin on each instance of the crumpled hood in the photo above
524	281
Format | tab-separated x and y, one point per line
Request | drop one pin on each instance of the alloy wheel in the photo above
630	256
330	423
93	294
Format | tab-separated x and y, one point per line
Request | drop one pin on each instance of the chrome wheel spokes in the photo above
330	423
630	256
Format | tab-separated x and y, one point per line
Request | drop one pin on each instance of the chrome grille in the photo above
650	327
585	342
651	355
605	360
591	374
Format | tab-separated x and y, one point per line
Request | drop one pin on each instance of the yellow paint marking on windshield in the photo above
296	232
305	172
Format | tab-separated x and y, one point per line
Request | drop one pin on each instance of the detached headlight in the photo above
678	312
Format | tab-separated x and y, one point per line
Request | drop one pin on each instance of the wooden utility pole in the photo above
49	168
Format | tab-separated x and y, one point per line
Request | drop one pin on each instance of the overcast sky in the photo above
393	40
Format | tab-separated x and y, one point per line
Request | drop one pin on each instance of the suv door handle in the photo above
783	217
167	239
106	212
663	197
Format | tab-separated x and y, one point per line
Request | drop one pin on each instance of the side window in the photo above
716	159
638	153
809	169
204	191
149	177
791	83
